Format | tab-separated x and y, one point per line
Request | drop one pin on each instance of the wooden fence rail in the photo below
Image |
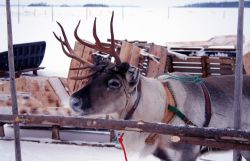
211	137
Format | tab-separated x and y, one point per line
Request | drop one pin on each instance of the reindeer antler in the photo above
98	45
70	53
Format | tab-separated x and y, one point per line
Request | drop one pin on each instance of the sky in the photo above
142	3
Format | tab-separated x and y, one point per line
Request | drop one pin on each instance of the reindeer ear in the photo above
132	75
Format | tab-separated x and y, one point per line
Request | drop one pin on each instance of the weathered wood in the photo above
2	134
188	70
246	58
55	132
169	67
87	55
189	59
13	83
79	50
221	71
125	53
135	56
185	64
221	60
204	66
238	83
221	66
222	138
60	91
132	54
37	93
156	69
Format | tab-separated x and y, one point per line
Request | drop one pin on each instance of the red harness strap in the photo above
120	139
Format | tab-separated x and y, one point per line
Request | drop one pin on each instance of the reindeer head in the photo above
114	86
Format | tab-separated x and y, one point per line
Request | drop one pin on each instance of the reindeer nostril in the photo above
76	103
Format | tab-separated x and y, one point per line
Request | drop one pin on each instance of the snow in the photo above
48	152
158	25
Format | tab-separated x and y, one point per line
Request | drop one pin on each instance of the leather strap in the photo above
171	111
208	108
168	115
134	107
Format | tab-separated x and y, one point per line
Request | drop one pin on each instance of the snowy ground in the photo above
154	25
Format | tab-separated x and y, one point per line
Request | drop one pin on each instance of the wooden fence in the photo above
211	137
202	65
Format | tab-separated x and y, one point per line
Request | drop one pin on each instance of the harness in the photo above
130	113
172	109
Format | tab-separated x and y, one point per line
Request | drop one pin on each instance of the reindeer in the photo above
119	91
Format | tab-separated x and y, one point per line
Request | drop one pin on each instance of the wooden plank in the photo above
156	69
125	53
55	132
246	58
188	70
2	134
135	56
65	85
186	64
220	71
60	91
221	66
75	64
38	91
204	66
189	59
87	55
45	93
221	60
169	66
163	60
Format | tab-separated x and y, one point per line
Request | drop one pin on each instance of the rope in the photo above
120	139
183	79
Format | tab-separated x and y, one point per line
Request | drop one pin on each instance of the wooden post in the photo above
13	83
204	66
169	66
55	132
238	85
2	129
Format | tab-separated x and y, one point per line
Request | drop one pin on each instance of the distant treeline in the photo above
95	5
218	4
41	4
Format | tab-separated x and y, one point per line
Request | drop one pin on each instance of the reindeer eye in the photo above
114	84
